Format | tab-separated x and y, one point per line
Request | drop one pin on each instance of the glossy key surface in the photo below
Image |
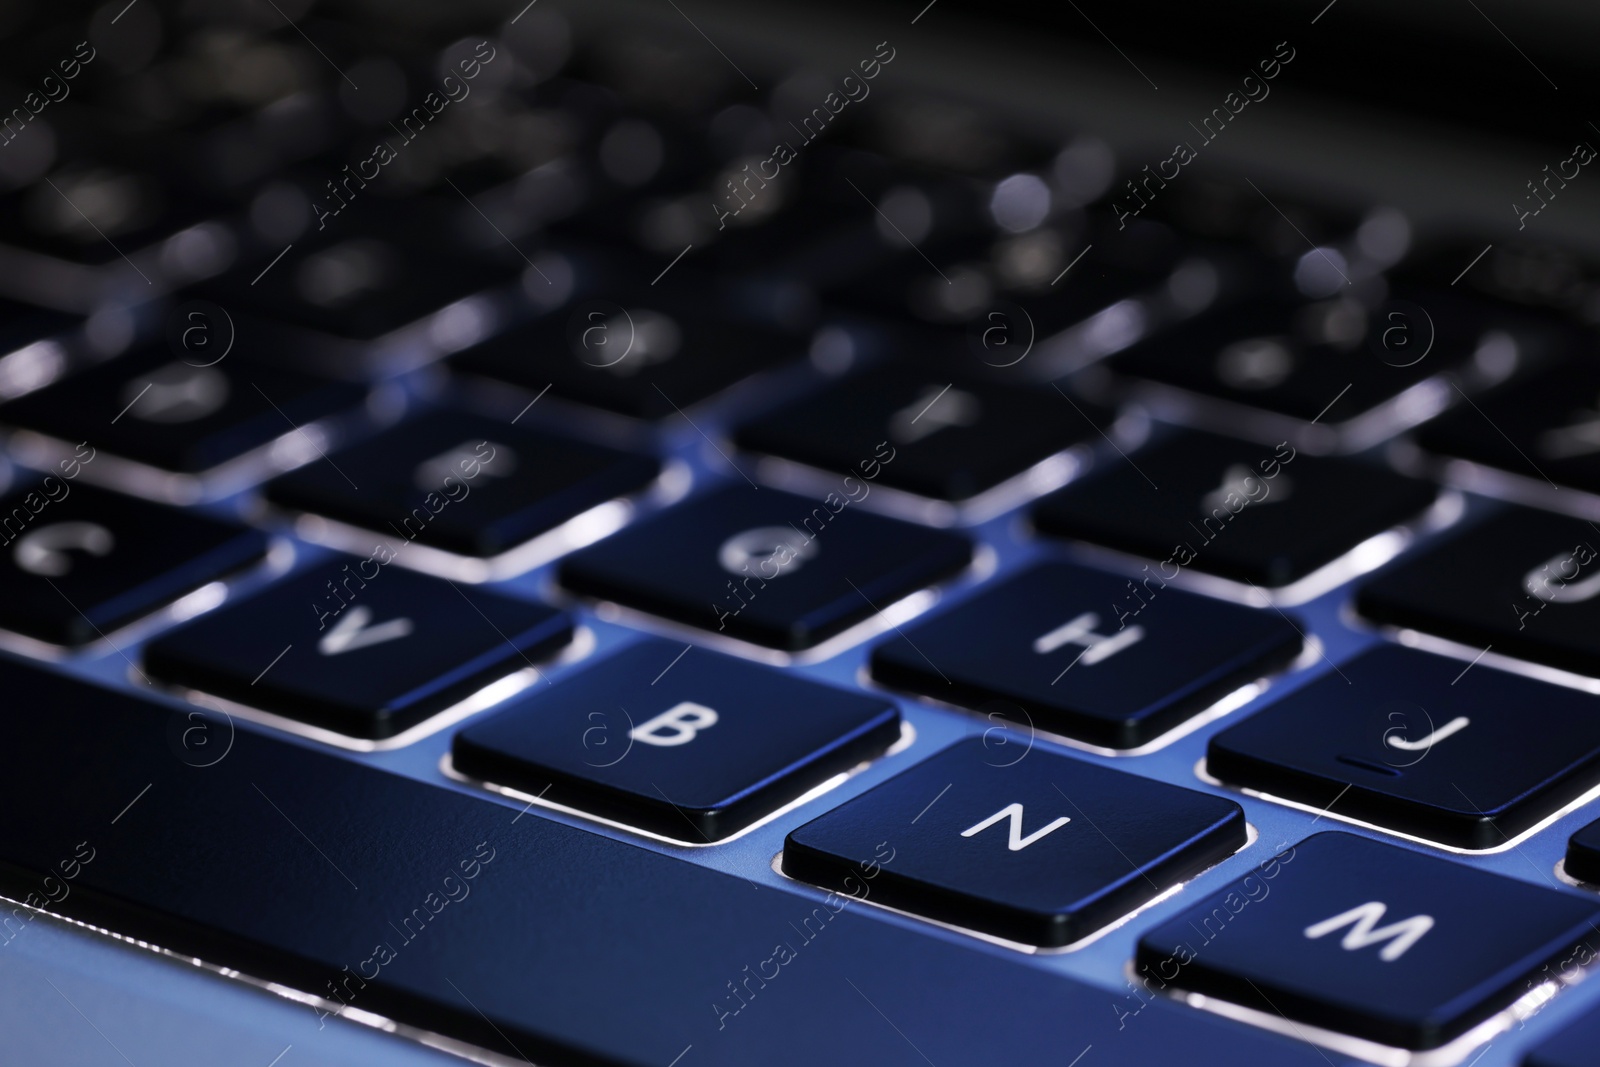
1088	654
1376	940
77	563
685	742
462	483
356	646
181	412
1420	744
1041	848
1267	515
1523	581
950	439
772	568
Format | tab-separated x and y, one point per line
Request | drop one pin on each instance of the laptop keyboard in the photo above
572	519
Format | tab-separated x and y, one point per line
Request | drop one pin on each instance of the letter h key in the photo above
1081	631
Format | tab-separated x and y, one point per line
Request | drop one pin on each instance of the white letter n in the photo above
1014	812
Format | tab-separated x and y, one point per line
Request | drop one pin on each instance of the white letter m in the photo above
1400	935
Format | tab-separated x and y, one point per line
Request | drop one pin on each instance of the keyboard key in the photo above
1523	581
1583	854
1253	513
1078	653
1546	428
358	648
1043	850
77	563
371	274
289	864
463	484
1039	273
682	742
730	562
176	413
1428	757
648	358
1369	939
952	439
1330	361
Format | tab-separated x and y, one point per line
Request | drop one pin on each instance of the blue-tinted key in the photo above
1087	654
683	742
76	563
1041	849
462	483
1369	939
769	567
358	646
1583	854
1413	742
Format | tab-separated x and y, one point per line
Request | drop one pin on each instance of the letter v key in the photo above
352	632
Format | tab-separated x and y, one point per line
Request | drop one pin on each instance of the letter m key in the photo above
1363	922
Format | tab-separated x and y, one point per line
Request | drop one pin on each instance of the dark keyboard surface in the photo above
548	589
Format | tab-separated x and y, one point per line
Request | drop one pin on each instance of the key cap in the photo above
1333	358
951	439
647	358
980	275
1546	427
1427	757
1043	850
1369	939
289	864
1252	513
360	282
78	563
1087	654
1583	853
1523	581
731	562
464	484
677	740
358	647
174	412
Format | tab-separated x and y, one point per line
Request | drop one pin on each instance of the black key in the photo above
949	439
1369	939
290	865
77	563
1574	1044
1523	581
1039	283
463	484
358	283
1546	428
177	413
1043	850
684	742
730	562
647	358
1428	757
1583	854
358	647
1333	358
1249	512
1076	652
